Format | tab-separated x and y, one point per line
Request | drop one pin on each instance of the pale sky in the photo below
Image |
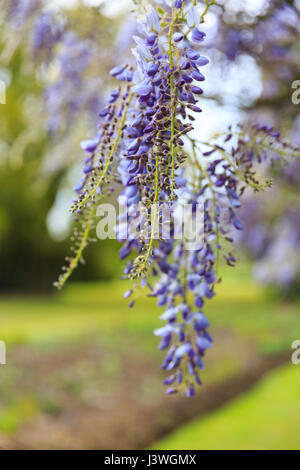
110	8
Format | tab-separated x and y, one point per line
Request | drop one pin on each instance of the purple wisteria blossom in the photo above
145	146
55	47
46	34
19	12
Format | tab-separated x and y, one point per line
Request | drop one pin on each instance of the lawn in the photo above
241	306
83	351
265	418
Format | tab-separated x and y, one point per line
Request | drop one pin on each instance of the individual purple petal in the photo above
198	76
201	322
103	113
152	69
124	252
199	302
184	64
79	186
196	109
128	294
163	331
190	391
142	90
193	17
88	169
89	145
178	3
117	70
206	291
193	55
150	40
197	36
114	96
177	37
197	90
179	377
197	379
170	380
131	191
233	198
162	300
171	391
200	363
169	314
187	78
203	343
202	61
182	350
152	21
238	224
165	343
134	146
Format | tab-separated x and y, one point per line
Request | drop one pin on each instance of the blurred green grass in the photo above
265	418
246	320
241	306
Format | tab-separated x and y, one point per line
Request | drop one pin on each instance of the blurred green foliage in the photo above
30	259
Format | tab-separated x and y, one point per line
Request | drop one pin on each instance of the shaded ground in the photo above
83	372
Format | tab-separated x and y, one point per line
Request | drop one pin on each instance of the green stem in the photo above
208	5
74	262
280	151
149	251
236	168
284	153
210	184
110	155
173	103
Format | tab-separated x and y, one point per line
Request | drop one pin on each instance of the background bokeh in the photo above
82	370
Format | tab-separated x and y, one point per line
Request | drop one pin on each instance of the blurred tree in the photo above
28	255
34	163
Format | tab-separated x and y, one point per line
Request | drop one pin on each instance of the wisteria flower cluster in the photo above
271	234
146	146
269	42
271	222
63	59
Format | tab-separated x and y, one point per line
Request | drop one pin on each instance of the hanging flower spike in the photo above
141	145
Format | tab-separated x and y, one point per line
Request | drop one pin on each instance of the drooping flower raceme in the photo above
63	59
271	41
146	145
47	32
